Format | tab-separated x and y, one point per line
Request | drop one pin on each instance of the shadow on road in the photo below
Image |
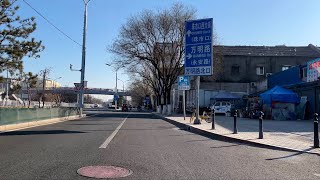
198	140
18	133
91	124
292	155
124	115
226	146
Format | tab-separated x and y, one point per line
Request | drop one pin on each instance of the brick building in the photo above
245	67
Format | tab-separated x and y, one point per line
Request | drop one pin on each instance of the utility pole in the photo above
43	87
122	91
116	91
116	99
83	65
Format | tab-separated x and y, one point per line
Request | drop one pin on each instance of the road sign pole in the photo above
184	104
198	53
197	120
116	100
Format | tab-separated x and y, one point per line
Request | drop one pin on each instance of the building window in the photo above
285	67
235	70
260	70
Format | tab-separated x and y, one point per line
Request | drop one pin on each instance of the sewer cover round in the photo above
101	172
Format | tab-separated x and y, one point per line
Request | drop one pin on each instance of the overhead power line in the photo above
63	33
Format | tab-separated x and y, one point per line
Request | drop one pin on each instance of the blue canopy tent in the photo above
279	94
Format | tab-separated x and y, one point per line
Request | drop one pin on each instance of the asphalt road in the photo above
150	147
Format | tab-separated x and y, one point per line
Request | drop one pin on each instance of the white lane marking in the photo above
109	139
317	174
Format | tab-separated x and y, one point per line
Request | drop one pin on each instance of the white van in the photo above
221	107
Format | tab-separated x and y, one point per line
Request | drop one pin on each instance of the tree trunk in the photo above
39	101
43	99
29	97
168	93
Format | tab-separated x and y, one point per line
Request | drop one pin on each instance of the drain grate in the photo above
102	172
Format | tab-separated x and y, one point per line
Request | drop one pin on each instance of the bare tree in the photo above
151	45
42	95
54	97
31	81
139	89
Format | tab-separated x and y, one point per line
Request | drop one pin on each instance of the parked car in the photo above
222	107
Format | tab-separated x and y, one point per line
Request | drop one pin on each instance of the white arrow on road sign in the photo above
189	56
189	33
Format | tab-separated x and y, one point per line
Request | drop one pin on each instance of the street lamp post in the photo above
116	98
122	90
116	93
83	64
122	84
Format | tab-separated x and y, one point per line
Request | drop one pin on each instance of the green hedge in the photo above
21	115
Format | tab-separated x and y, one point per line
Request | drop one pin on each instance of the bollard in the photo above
316	130
261	125
213	119
235	128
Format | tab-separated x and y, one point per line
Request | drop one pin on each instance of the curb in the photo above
220	137
31	124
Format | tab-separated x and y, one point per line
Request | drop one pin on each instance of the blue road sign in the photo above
115	97
198	46
183	83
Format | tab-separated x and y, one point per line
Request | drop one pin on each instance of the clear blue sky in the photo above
237	22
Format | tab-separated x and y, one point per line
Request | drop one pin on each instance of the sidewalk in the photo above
287	135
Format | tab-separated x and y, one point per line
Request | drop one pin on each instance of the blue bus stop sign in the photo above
198	47
183	83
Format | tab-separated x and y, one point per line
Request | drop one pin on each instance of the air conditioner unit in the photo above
268	74
253	84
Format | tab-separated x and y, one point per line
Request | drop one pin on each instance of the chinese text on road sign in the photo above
183	83
198	45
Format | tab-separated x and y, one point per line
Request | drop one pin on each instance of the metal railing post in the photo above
316	130
213	119
235	128
261	125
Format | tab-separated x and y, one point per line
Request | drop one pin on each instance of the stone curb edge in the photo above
31	124
220	137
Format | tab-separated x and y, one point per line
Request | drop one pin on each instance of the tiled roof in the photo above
308	51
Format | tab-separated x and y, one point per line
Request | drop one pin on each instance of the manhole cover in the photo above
101	172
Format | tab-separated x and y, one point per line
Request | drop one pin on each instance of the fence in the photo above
21	115
34	104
